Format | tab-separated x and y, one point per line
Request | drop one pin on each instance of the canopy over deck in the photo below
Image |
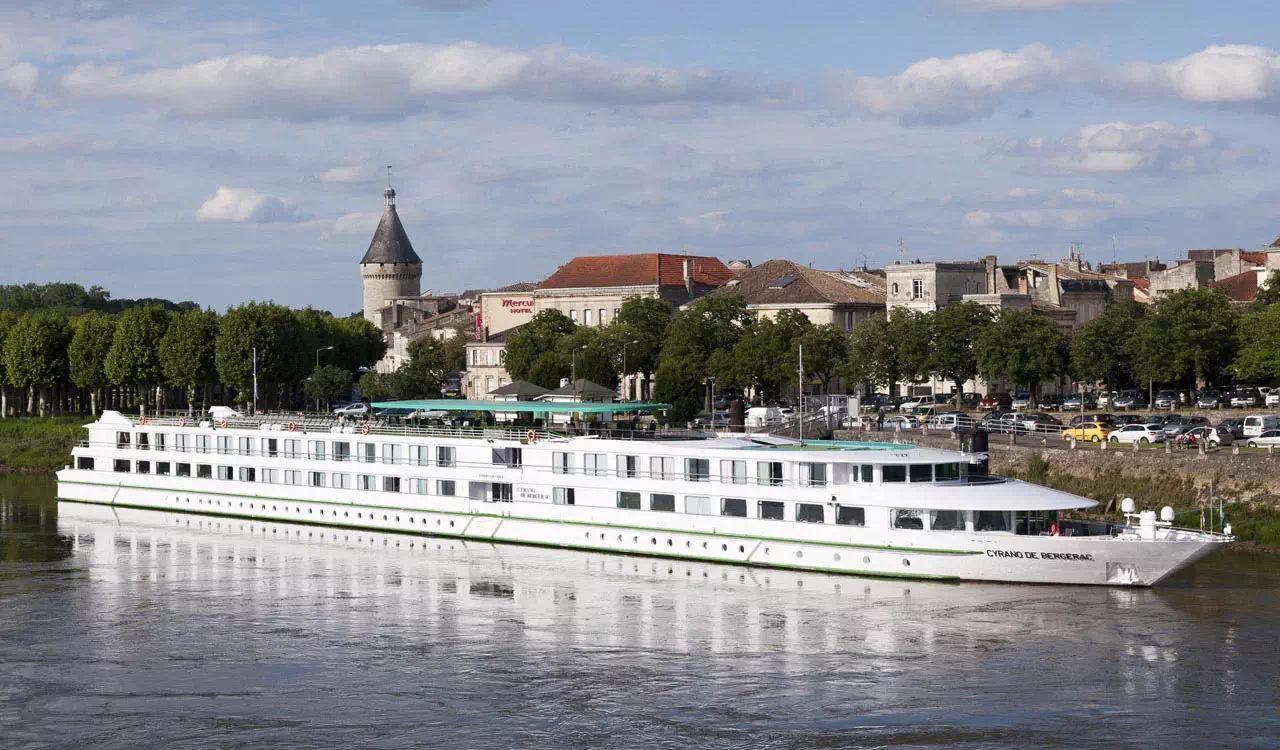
527	407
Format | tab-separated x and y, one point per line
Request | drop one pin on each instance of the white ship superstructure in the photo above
857	508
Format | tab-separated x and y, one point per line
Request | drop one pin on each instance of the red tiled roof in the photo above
643	269
1243	287
759	286
1142	283
1258	259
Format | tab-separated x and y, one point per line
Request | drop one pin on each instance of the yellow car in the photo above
1093	432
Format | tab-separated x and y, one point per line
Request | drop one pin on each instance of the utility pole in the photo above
801	382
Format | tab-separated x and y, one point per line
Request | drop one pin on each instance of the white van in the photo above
763	416
223	412
911	406
949	421
1256	424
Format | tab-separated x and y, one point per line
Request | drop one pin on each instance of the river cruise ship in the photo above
878	509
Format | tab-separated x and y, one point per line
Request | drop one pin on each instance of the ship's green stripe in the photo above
546	545
627	527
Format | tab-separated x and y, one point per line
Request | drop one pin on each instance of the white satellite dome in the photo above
1128	506
1166	514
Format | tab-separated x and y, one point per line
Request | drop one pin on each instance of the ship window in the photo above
446	487
390	453
595	464
315	478
144	467
182	442
628	466
246	446
158	441
121	466
562	495
163	468
292	477
122	440
733	506
629	500
224	445
341	451
143	442
664	503
771	510
202	443
847	515
292	448
315	448
922	472
342	481
813	475
267	476
84	463
947	520
419	487
367	452
697	469
868	473
420	454
992	520
662	467
271	446
698	505
561	462
225	473
733	472
892	473
501	491
769	473
204	471
184	470
247	474
509	457
444	456
912	520
364	482
946	472
810	513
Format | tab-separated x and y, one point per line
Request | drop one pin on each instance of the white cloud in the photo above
1018	5
27	144
1065	209
346	173
396	80
1123	147
448	4
1233	74
246	206
22	77
357	222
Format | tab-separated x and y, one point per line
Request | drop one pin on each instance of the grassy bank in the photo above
38	445
1257	522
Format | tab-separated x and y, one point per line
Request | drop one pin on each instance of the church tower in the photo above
390	268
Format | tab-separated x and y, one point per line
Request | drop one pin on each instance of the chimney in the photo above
990	262
688	276
1055	293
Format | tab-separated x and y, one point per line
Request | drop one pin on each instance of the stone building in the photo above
591	289
487	365
390	269
843	298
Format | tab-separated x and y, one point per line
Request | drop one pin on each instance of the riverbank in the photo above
38	446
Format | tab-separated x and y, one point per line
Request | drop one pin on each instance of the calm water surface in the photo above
141	629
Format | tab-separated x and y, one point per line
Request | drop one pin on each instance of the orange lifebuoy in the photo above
531	436
222	422
182	421
293	427
364	429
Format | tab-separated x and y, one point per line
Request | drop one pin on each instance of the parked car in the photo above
1273	398
876	402
1008	422
1175	427
1211	436
1270	437
1093	432
717	421
899	422
1209	400
1256	424
952	420
970	400
1129	400
1106	397
1022	401
919	402
996	401
1080	401
762	416
1050	401
1040	422
1244	398
1121	420
358	409
1232	425
1136	433
1108	420
1166	399
1160	420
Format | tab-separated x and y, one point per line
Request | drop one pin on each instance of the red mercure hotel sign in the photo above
518	305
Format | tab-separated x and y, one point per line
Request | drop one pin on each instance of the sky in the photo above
238	151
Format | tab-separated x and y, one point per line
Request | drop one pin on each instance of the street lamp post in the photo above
321	349
712	380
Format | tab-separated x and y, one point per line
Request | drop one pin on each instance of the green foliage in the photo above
374	386
39	443
593	353
279	339
1260	524
1022	346
1259	338
134	358
532	351
455	350
88	350
698	342
189	348
886	351
1108	486
1269	292
327	384
1190	334
1103	349
826	348
641	324
7	321
35	349
954	329
680	384
74	299
423	374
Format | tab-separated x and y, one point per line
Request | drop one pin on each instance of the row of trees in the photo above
149	355
1188	338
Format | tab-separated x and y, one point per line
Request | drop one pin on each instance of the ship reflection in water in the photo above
176	626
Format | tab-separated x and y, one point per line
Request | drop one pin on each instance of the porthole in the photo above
384	517
766	550
906	562
724	548
619	537
397	519
704	545
410	519
837	557
866	560
799	553
345	514
587	535
670	543
655	540
437	522
741	548
688	544
635	539
602	536
451	523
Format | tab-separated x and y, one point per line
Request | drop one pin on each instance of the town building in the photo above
503	309
487	365
390	269
590	290
841	298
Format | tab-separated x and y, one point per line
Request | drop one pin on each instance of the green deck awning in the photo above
525	407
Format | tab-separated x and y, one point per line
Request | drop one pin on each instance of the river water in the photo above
140	629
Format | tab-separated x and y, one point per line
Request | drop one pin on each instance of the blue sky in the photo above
234	152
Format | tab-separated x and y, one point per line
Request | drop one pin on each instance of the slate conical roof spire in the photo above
390	243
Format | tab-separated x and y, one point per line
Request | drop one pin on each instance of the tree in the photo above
758	360
532	351
954	329
1102	350
889	350
328	383
640	326
35	354
1259	337
455	349
87	354
134	358
279	339
1269	291
591	355
188	351
1023	346
423	375
826	347
1190	335
7	321
374	386
709	325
